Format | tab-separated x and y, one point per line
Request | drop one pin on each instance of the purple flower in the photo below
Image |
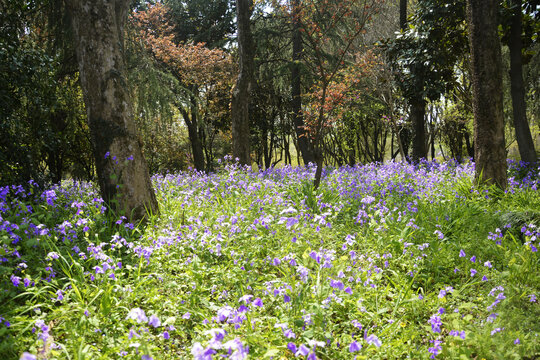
138	315
166	335
336	284
200	353
258	302
354	346
473	272
132	334
246	298
15	280
186	316
154	321
289	334
27	356
436	349
292	347
356	324
461	334
286	298
516	342
473	258
436	323
373	340
302	350
461	253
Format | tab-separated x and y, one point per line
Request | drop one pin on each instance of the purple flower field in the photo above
383	261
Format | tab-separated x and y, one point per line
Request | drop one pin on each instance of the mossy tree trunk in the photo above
98	27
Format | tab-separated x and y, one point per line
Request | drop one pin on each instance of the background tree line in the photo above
274	82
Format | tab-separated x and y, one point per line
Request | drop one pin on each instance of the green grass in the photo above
261	260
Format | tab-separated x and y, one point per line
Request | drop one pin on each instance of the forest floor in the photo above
383	261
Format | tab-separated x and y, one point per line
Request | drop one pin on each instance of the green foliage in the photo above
211	23
43	135
426	54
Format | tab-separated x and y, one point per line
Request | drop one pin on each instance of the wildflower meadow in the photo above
382	261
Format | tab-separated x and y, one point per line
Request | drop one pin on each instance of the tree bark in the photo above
486	70
296	92
418	114
242	89
521	125
402	14
98	27
194	139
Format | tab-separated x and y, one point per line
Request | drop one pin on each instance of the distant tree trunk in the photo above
242	89
194	139
523	132
402	14
98	27
296	103
486	69
318	143
402	135
418	114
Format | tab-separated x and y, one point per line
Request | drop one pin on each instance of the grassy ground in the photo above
382	262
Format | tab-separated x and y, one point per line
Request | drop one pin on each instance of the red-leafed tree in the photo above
200	71
330	30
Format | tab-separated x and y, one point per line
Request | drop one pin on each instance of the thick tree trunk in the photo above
418	114
486	69
242	89
296	103
523	132
98	27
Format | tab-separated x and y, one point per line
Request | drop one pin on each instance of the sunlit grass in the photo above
381	262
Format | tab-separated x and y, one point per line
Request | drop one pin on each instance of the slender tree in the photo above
242	89
486	68
98	28
402	14
296	86
521	125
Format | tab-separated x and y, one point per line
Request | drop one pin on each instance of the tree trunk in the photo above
418	114
242	89
98	27
318	172
296	103
402	14
521	125
194	139
486	69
